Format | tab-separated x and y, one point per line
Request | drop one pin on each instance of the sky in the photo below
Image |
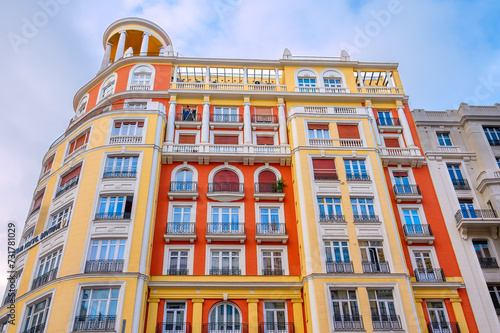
448	51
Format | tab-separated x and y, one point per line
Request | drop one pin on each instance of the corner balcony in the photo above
180	231
327	143
389	125
226	121
222	87
429	275
375	267
44	278
274	327
226	191
477	219
387	323
271	232
173	327
339	266
225	232
404	156
183	190
268	191
94	323
104	266
187	120
418	233
407	193
70	184
348	323
443	327
264	122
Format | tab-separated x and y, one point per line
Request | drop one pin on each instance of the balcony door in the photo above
275	314
438	316
174	317
225	318
467	208
402	182
425	269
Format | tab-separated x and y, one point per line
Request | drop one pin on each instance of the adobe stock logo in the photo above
32	25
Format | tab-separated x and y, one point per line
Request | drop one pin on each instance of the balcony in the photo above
183	190
224	271
225	232
180	231
477	219
325	174
112	216
187	119
366	218
125	139
119	174
418	233
339	267
407	193
264	122
225	327
380	90
357	177
389	125
348	323
387	323
331	218
226	191
268	191
271	232
487	262
443	327
177	327
349	143
214	86
375	267
44	278
226	121
460	184
273	272
324	90
104	266
429	275
35	329
177	271
94	323
140	87
67	186
276	328
333	110
404	156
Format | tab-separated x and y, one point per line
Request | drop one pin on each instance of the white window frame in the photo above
337	74
284	257
430	249
105	84
419	207
166	257
40	298
183	166
239	134
57	212
79	110
174	301
241	178
409	171
43	258
131	75
213	247
274	135
196	133
74	138
99	247
274	301
279	206
394	136
187	204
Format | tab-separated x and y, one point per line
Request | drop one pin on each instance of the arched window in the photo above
141	78
225	317
225	180
306	80
333	81
267	181
82	106
108	86
183	180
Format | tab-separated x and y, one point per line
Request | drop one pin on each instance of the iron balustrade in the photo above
177	271
225	271
460	184
339	266
475	214
67	186
94	323
104	265
388	122
225	187
325	174
183	186
406	189
225	228
386	323
366	218
119	174
276	328
35	329
44	278
112	216
375	267
429	275
488	262
348	323
170	327
180	228
358	177
443	327
271	271
417	230
34	210
226	118
225	327
256	118
267	188
187	116
494	142
331	218
270	229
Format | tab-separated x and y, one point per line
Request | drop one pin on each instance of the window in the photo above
225	317
263	115
412	221
186	139
69	180
36	316
175	313
82	106
305	82
391	142
181	214
458	181
444	139
332	83
131	128
492	135
226	114
467	209
108	87
337	251
402	183
63	217
356	170
4	323
120	167
324	169
9	295
498	161
97	309
318	131
362	209
438	316
80	142
27	235
425	270
345	310
267	183
383	310
48	165
183	181
269	220
385	118
330	209
372	257
275	317
272	263
495	297
115	207
136	105
178	262
348	131
47	268
264	140
225	262
225	181
37	203
484	255
106	255
141	78
225	220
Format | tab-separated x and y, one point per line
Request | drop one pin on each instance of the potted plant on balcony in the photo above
280	184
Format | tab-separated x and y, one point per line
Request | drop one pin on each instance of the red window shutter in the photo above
318	126
226	176
118	124
38	201
72	174
187	139
265	140
391	142
262	111
267	176
323	164
348	131
48	166
400	174
225	140
140	124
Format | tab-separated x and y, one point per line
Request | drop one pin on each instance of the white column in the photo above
207	74
107	55
374	125
144	44
204	122
277	74
360	79
161	51
176	67
170	122
247	124
245	75
121	45
390	82
406	127
282	124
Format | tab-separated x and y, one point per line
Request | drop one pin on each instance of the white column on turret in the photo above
390	82
360	79
145	42
277	74
204	122
247	124
107	55
282	124
374	125
171	122
406	128
121	45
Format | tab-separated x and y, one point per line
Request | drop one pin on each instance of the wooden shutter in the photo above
70	175
391	142
265	140
318	126
323	164
267	176
48	166
38	201
225	139
262	111
400	174
81	140
226	176
187	138
348	131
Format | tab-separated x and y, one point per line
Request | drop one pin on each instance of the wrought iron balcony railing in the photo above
443	327
180	228
67	186
339	267
270	229
112	216
183	186
177	271
225	187
268	188
119	174
494	142
273	271
429	275
226	118
187	116
488	262
35	329
348	323
177	327
388	122
264	119
225	327
375	267
387	323
475	214
331	218
366	218
225	271
94	323
326	174
460	184
406	189
104	266
417	230
276	328
44	278
225	228
357	177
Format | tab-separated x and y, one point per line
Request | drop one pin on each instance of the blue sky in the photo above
449	52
